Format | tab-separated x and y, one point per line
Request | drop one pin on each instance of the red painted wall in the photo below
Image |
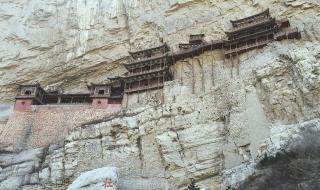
23	104
103	103
99	103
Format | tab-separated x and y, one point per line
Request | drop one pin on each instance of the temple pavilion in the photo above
148	70
253	32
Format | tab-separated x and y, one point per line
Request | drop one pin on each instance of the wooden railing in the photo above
135	61
143	88
146	72
187	46
194	51
246	47
289	34
67	99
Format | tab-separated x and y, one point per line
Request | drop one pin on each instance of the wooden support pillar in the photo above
181	74
139	91
148	83
193	81
163	79
127	94
236	48
212	63
157	85
162	94
238	64
174	69
231	60
202	77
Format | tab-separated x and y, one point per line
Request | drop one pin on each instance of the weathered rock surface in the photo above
219	116
295	166
21	170
64	44
282	139
212	132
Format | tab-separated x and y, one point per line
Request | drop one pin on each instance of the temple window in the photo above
27	92
101	92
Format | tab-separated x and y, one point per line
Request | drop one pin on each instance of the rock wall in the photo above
64	44
219	116
213	124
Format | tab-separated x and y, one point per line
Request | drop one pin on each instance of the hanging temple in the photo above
149	69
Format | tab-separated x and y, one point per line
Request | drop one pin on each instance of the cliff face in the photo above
218	118
64	44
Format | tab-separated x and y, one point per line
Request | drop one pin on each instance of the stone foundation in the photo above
48	124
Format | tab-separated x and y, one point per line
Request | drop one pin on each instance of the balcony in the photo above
144	88
289	34
242	49
146	61
146	72
188	46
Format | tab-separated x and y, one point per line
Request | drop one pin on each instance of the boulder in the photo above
105	178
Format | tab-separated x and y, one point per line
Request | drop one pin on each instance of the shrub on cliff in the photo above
298	168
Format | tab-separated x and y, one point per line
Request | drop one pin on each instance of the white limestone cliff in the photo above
212	128
64	44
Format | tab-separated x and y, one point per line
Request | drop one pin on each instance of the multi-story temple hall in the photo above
147	71
254	32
